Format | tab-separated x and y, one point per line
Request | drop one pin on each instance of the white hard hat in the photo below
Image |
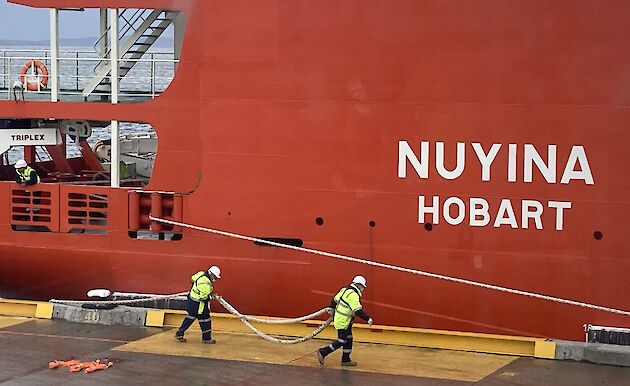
359	280
215	271
20	164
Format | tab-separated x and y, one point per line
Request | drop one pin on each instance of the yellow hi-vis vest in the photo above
27	174
348	303
201	288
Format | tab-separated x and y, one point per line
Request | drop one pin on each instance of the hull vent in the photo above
279	240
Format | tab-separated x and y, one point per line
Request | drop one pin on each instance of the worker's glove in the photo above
370	322
331	311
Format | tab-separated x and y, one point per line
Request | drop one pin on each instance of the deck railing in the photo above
149	77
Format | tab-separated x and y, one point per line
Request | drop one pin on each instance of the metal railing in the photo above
149	77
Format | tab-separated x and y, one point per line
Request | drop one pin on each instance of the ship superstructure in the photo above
476	140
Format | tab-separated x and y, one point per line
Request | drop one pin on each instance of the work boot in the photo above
320	357
211	341
349	363
180	339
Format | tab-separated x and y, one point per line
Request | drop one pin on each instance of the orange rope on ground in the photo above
75	366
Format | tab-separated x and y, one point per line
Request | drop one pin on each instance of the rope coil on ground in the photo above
396	268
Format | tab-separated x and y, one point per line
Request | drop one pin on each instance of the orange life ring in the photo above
37	65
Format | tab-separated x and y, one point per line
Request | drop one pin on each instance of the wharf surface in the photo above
150	355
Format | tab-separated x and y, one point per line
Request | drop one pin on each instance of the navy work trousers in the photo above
192	307
344	338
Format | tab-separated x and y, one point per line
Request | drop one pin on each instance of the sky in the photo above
18	22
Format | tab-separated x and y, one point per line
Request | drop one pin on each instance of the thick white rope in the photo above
219	298
235	312
396	268
288	341
127	301
243	318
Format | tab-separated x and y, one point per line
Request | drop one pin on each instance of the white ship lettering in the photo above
454	212
576	167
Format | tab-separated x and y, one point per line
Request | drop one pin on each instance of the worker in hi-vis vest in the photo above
198	304
346	304
24	174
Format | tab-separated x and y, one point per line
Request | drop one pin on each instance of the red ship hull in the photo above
294	110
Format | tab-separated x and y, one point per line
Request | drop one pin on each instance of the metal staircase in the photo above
139	30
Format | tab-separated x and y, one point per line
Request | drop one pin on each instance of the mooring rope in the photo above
119	302
243	318
396	268
246	319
